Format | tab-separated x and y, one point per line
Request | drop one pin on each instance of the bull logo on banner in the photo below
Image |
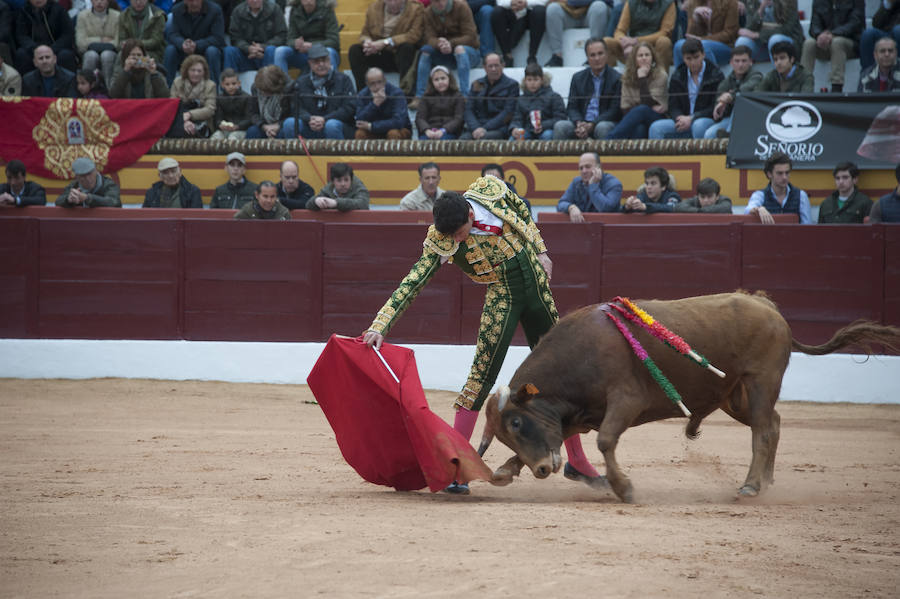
789	125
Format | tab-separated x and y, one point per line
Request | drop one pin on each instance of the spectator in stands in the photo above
344	192
707	200
491	102
592	191
538	109
510	19
884	74
451	40
657	194
10	79
441	109
312	22
887	208
742	79
7	18
232	118
481	13
568	14
381	110
846	204
197	95
196	27
265	205
147	23
293	191
256	29
779	196
594	97
89	86
389	39
645	94
885	23
97	38
650	21
172	190
90	189
19	192
238	191
322	101
835	28
786	76
715	24
44	23
136	76
692	95
423	196
48	80
496	170
270	103
770	22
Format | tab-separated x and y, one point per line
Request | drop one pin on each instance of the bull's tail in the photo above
861	333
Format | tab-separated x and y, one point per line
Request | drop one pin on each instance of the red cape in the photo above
384	429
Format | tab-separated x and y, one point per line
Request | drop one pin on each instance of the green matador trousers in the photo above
521	295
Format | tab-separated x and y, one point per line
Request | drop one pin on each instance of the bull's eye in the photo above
515	424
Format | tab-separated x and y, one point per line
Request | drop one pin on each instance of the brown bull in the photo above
584	376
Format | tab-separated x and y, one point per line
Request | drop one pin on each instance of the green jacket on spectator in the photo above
854	210
799	81
151	30
267	28
356	198
105	194
722	205
233	196
253	211
320	26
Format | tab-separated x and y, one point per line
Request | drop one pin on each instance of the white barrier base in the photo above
834	378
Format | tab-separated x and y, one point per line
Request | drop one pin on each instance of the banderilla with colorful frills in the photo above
638	316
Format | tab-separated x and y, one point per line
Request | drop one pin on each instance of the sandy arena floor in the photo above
135	488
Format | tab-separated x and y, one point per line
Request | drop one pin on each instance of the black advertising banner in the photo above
816	130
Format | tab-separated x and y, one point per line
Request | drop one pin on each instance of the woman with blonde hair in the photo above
645	95
270	103
441	109
198	99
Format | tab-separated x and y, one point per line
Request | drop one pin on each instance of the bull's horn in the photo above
485	443
503	393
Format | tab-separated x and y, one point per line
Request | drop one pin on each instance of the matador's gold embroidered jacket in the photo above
519	233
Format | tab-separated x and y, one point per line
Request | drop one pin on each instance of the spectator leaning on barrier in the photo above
743	78
48	80
835	28
196	27
592	191
19	192
707	200
657	194
650	21
90	189
884	75
10	80
491	102
451	40
238	191
256	29
232	118
786	76
345	191
293	191
44	23
97	38
172	190
323	101
569	14
389	39
312	22
265	205
846	204
779	196
885	23
595	96
147	23
715	24
381	110
136	76
887	208
538	109
423	196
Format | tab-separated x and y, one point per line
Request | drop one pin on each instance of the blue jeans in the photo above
485	30
334	129
286	56
719	53
237	60
545	134
256	132
665	129
430	57
173	58
867	44
759	53
725	124
635	123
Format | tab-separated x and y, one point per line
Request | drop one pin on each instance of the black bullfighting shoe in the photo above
457	489
595	482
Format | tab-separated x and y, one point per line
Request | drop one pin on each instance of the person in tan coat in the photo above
97	38
198	99
451	40
650	21
389	39
715	24
645	94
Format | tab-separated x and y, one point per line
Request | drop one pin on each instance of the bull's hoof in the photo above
595	482
748	491
457	489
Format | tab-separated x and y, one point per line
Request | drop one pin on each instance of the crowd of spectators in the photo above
669	84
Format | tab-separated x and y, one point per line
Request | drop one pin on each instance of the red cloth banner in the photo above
47	134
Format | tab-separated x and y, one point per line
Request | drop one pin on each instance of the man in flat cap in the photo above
238	190
172	190
90	189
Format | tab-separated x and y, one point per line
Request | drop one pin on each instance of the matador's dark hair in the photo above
451	211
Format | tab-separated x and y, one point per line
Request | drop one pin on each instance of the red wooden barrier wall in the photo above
214	279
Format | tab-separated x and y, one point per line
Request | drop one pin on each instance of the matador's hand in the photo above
373	339
545	261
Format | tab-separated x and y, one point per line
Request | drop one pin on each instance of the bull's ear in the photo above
525	392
